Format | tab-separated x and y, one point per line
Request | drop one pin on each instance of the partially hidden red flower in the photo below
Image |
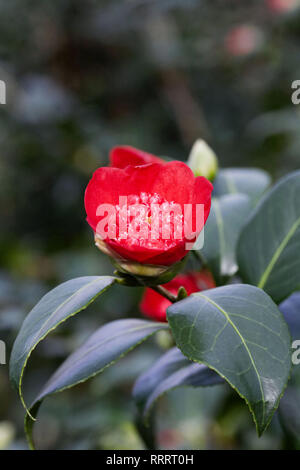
124	155
170	183
154	305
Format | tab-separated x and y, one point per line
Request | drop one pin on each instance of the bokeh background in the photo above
82	77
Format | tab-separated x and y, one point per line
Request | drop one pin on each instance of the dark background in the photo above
81	77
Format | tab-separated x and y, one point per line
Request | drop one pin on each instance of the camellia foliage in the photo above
226	317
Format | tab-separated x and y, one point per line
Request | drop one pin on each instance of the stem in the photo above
165	293
146	432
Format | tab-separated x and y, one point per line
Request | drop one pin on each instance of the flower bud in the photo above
203	160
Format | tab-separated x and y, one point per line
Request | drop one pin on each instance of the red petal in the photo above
202	194
153	305
149	256
124	155
174	181
105	187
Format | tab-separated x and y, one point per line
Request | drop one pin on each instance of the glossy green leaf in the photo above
53	309
238	331
250	181
168	363
172	370
194	375
108	344
226	219
269	245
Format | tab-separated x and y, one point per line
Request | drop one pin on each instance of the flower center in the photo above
147	220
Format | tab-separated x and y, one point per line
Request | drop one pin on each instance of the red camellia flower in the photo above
154	305
124	155
123	203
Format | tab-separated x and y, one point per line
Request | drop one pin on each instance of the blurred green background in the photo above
82	77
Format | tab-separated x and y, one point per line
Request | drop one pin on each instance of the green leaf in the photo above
168	363
108	344
250	181
53	309
238	331
194	375
172	370
226	219
268	249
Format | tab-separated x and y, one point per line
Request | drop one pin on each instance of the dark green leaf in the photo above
170	362
53	309
102	349
172	370
194	375
238	331
268	249
250	181
225	221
